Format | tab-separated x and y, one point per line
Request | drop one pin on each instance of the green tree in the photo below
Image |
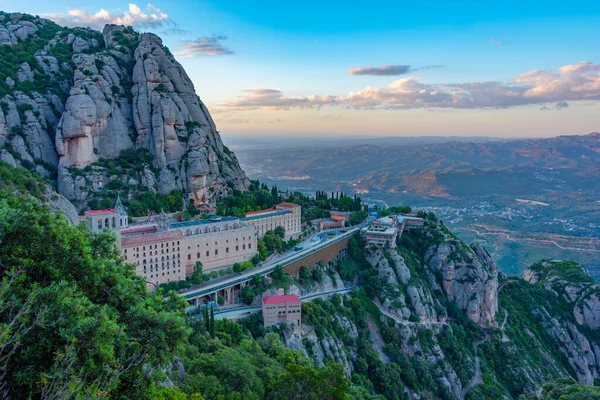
304	275
211	329
280	231
308	383
247	295
76	319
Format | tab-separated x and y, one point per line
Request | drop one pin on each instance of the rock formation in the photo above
84	97
469	276
570	281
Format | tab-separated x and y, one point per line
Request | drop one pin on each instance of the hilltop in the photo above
108	112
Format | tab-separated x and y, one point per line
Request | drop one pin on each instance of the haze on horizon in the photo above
436	68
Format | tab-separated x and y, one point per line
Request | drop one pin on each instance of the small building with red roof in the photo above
282	309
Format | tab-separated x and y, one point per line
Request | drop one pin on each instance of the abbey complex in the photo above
165	252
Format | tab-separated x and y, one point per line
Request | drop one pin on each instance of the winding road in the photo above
542	241
476	380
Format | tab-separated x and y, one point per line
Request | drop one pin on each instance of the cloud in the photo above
562	104
498	43
204	46
545	108
271	99
150	17
390	70
174	32
573	82
386	70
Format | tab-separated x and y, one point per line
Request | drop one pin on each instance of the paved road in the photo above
402	321
269	266
245	311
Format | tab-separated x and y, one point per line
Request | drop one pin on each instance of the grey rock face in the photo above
581	292
469	276
130	95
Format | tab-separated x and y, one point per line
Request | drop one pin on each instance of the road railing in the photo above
267	270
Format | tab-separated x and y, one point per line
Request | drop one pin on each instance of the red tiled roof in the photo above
290	298
288	205
268	210
338	218
132	231
150	238
98	212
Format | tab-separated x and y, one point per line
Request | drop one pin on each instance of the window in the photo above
216	252
189	257
243	247
207	253
237	248
249	246
226	249
198	255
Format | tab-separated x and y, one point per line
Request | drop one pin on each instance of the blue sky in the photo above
459	67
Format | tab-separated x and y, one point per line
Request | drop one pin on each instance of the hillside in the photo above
107	112
431	319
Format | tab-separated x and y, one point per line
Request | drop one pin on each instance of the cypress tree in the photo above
205	317
212	323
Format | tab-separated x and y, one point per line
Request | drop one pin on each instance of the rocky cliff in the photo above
571	282
433	319
74	98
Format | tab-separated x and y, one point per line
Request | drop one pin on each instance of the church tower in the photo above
162	222
123	219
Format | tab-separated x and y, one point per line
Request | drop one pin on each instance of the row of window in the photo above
163	274
107	223
162	245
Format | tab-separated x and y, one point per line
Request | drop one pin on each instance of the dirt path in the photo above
378	342
401	321
476	380
505	338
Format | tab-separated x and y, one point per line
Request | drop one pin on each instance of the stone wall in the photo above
324	256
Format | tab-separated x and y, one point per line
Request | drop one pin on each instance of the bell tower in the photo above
123	219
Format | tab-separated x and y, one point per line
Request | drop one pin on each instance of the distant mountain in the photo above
74	99
525	199
440	169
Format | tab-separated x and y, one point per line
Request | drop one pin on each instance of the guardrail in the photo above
281	263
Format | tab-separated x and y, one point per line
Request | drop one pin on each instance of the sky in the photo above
385	68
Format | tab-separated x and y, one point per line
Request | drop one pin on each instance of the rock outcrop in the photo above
469	276
89	96
570	281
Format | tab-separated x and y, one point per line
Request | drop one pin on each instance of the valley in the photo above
525	199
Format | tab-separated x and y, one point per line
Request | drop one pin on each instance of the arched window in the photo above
114	221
